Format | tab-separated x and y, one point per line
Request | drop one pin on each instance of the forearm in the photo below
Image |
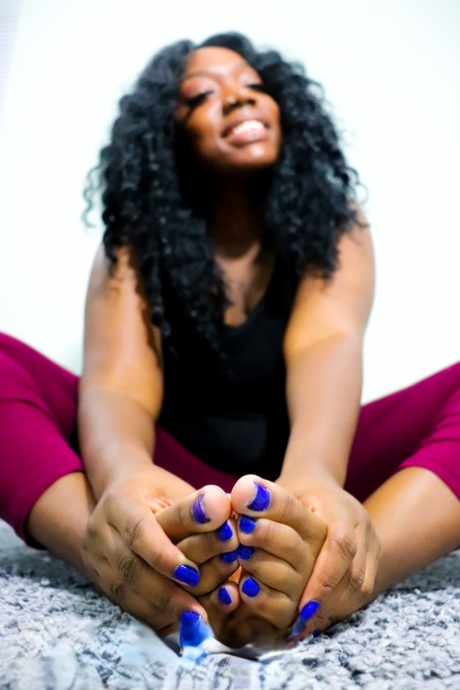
417	519
323	393
116	437
58	519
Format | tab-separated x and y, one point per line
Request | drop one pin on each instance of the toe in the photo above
213	573
273	606
254	497
201	547
202	511
281	541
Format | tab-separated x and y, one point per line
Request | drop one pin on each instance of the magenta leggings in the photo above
418	426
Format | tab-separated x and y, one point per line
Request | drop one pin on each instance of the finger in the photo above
346	598
272	605
141	534
334	559
213	573
114	557
280	540
274	573
159	603
219	604
355	575
199	512
256	497
201	547
216	553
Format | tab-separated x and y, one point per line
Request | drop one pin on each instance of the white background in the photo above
391	70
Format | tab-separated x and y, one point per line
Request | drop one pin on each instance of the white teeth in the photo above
246	126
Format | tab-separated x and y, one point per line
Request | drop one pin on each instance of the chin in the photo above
245	164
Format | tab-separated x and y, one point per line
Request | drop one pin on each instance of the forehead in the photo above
213	60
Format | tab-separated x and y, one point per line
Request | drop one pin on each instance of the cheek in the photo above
277	119
202	131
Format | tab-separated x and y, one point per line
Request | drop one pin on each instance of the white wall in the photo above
391	70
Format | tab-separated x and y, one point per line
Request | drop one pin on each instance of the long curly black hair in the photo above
148	194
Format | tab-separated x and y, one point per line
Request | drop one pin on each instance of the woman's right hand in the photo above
129	545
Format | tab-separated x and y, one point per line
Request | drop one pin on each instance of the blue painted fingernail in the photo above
250	587
247	524
261	500
316	633
193	630
297	628
305	615
309	610
199	512
225	532
229	557
245	552
187	575
224	597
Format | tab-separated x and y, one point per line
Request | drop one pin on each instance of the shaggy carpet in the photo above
58	633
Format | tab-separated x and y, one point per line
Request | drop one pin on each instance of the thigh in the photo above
41	380
396	428
38	420
174	457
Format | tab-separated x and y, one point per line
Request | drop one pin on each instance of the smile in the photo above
247	126
243	126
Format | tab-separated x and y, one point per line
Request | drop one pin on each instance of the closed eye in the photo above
195	101
257	87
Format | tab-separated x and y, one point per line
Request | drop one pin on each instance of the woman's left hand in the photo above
344	574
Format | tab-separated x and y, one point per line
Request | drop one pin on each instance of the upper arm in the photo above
341	304
122	350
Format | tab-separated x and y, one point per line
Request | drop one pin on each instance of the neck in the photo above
234	220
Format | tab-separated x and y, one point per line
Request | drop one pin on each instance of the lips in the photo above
248	126
242	126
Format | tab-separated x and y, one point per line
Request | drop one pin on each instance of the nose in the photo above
236	97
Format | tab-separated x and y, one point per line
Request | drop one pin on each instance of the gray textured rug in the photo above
58	633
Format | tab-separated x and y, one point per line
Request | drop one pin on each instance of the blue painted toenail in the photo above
225	532
261	500
187	575
247	524
250	587
198	511
230	556
224	597
245	552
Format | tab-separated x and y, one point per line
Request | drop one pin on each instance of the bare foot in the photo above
280	541
201	526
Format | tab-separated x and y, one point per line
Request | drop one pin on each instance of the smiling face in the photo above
230	123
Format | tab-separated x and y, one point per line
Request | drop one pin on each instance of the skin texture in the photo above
215	96
131	523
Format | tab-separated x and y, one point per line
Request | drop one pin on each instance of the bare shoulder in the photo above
343	301
122	349
355	265
120	276
115	287
358	238
356	254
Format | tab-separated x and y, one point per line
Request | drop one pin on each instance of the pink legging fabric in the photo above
418	426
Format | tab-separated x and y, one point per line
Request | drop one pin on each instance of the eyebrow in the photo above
213	73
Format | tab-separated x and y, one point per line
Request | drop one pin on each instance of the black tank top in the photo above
232	412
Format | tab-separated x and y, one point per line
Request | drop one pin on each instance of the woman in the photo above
228	303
